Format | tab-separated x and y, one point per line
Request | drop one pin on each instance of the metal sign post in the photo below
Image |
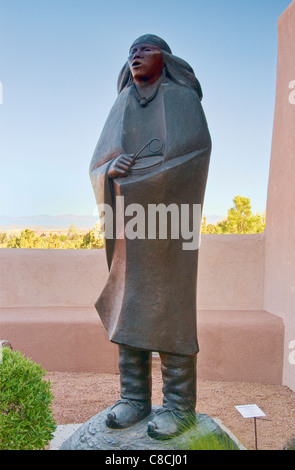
255	432
251	411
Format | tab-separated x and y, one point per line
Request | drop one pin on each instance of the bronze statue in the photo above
154	148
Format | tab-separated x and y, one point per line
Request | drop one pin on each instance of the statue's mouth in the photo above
136	63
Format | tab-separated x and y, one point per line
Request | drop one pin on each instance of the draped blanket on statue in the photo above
149	300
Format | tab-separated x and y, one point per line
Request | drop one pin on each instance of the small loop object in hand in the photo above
149	145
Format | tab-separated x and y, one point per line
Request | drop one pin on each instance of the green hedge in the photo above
26	419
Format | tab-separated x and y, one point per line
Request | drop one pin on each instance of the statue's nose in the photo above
137	54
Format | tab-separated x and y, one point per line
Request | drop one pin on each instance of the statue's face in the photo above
146	63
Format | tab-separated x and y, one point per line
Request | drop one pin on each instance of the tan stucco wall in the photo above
47	310
230	275
51	278
279	291
231	272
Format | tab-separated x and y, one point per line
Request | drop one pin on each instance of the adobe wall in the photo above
47	310
279	290
231	270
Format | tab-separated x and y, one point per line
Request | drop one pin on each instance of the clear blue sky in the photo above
59	62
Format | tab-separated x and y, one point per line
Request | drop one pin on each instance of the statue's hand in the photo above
121	166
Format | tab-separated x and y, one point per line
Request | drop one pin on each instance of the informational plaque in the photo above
250	411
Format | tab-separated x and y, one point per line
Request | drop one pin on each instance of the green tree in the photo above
73	233
73	240
97	231
240	219
53	241
91	241
25	240
3	238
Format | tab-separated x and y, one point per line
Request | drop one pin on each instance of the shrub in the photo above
211	442
26	420
290	445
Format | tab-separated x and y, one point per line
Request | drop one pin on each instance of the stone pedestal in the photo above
95	435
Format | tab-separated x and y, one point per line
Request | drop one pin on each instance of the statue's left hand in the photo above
121	166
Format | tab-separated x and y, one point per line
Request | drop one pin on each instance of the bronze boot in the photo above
179	388
135	379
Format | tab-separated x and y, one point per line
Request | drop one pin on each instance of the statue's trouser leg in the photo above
135	380
179	401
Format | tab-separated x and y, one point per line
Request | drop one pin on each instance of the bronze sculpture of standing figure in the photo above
149	301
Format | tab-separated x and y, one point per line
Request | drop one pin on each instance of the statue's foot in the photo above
169	423
125	413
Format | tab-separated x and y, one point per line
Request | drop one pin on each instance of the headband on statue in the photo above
154	40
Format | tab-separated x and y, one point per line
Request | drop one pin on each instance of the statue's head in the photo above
149	57
145	59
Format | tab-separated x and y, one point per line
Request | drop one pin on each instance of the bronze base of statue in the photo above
96	435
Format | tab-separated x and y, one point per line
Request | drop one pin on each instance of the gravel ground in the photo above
79	396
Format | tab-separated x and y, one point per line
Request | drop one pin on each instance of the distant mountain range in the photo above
47	221
60	221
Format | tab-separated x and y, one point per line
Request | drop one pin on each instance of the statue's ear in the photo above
125	78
